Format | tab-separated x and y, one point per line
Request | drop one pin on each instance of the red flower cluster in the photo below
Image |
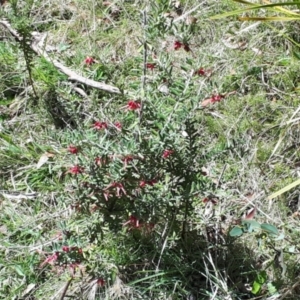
150	66
200	72
127	159
65	248
117	186
210	199
134	223
133	105
118	125
75	170
101	282
167	153
73	149
143	183
212	99
50	259
70	249
178	45
216	98
100	125
89	60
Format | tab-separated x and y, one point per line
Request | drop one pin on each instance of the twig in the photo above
182	17
72	75
221	175
144	15
65	289
290	290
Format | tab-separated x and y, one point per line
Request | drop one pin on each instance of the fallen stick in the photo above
71	74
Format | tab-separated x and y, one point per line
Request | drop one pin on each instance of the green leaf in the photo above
236	231
251	225
269	228
259	281
19	270
261	277
296	54
255	288
271	288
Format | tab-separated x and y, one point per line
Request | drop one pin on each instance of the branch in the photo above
72	75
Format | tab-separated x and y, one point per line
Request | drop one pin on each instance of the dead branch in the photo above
41	51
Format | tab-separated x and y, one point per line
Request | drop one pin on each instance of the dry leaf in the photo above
249	215
3	229
43	159
190	20
29	288
163	88
206	102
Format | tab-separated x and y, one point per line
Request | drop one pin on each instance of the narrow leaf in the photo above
268	18
254	7
283	190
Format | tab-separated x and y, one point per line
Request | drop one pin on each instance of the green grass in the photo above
133	224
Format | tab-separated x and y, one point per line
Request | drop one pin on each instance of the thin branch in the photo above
182	17
144	16
66	289
72	75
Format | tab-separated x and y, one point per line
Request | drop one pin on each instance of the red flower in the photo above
106	195
100	125
118	187
151	182
167	153
143	183
50	259
177	45
150	66
65	248
133	222
76	170
98	161
118	125
101	282
200	72
101	161
210	199
127	159
212	99
133	105
89	60
80	251
216	98
73	149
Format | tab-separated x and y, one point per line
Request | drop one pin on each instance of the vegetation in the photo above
148	150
